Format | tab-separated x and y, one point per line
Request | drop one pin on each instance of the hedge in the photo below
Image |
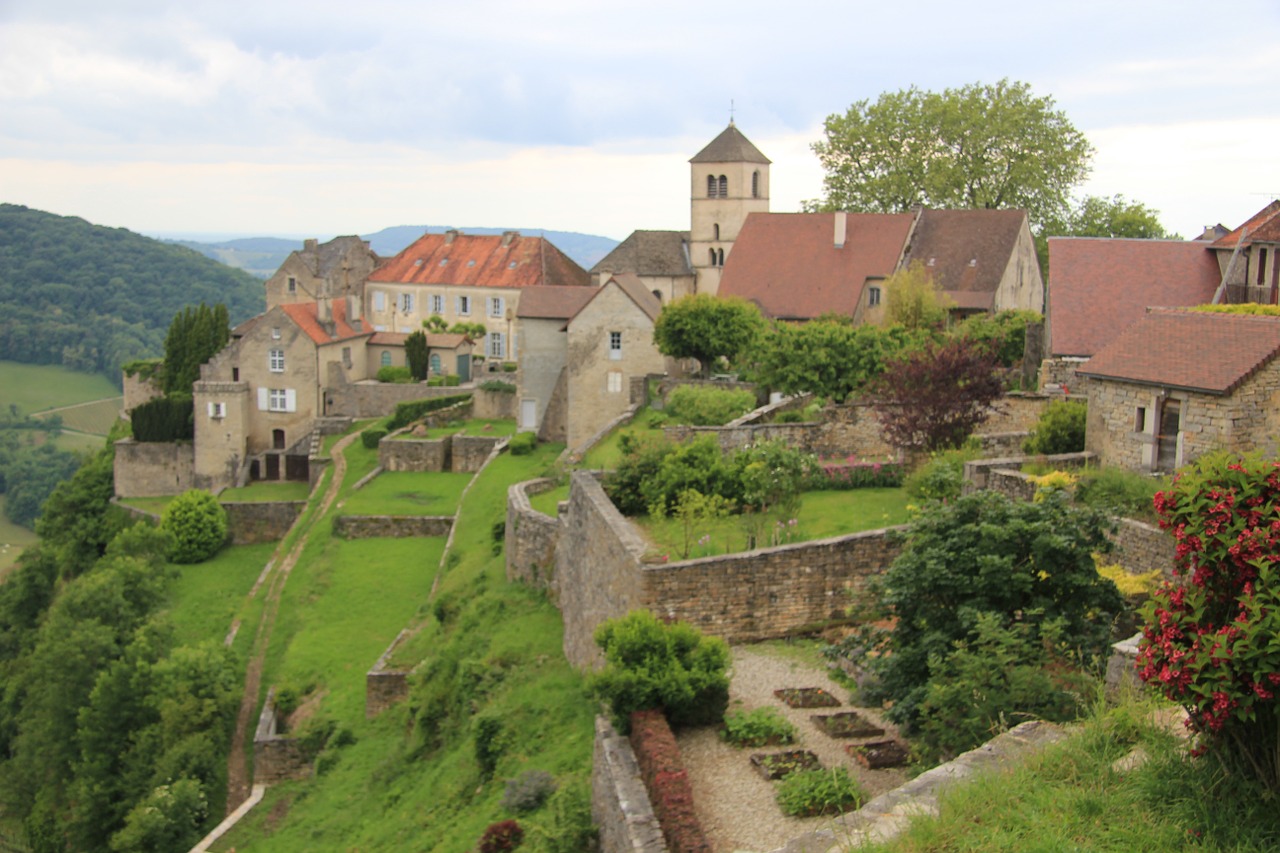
667	782
408	412
164	419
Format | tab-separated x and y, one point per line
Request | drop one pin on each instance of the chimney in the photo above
324	311
841	225
508	236
309	245
450	236
353	309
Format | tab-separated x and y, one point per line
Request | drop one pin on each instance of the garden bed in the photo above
848	724
879	754
778	765
806	697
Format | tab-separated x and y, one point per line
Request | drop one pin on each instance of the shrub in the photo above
452	380
696	465
942	477
664	775
649	664
565	826
1052	482
806	793
789	417
1209	643
657	420
164	419
408	412
510	367
394	373
435	381
522	443
528	791
1060	429
497	386
502	836
198	524
1121	492
370	437
641	460
760	727
702	405
849	473
489	746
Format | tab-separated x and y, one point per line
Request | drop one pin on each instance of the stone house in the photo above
257	399
447	353
466	278
335	269
729	180
1177	384
582	355
797	266
1247	259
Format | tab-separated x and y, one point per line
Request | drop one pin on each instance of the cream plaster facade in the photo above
543	350
402	307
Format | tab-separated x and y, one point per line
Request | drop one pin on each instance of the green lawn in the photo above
35	387
409	493
500	428
156	505
94	418
207	595
265	491
822	514
607	454
548	503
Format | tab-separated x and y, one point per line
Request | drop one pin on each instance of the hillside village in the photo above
516	331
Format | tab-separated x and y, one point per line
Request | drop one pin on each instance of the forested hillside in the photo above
92	298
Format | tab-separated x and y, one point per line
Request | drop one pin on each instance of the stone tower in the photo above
729	179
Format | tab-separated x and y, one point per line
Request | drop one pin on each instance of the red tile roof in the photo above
787	263
967	251
1263	226
553	303
1099	286
1189	349
304	314
481	260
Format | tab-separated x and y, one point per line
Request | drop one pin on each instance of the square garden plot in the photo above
806	697
878	754
776	765
846	724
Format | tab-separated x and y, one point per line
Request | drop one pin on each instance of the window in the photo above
275	334
435	363
275	361
235	374
497	306
657	294
711	186
873	296
437	303
278	399
755	184
386	358
615	346
346	356
464	305
1140	420
379	301
293	284
724	187
615	381
406	303
497	345
713	256
217	411
715	231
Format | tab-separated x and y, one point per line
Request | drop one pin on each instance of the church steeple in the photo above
729	180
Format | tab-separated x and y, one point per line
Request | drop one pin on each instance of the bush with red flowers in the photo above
667	781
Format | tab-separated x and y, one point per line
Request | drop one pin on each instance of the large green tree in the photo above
1098	216
707	328
979	146
829	357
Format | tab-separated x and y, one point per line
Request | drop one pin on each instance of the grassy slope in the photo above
384	792
35	387
12	540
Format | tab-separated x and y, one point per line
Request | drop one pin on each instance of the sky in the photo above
293	119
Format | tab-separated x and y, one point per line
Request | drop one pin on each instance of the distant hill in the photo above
262	256
92	298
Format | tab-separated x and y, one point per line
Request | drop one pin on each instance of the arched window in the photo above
435	362
386	358
657	294
724	187
713	256
755	184
716	228
719	257
711	186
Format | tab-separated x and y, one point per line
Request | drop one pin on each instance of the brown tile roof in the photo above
1189	349
304	314
967	251
482	260
731	146
649	253
1099	286
553	303
1263	226
787	263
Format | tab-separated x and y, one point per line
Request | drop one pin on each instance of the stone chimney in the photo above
324	313
450	236
353	309
841	224
508	236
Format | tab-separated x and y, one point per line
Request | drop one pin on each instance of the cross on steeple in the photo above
731	111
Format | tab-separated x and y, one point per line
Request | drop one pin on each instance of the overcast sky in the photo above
287	118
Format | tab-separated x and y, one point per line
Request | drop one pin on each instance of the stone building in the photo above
542	331
335	269
1177	384
1247	259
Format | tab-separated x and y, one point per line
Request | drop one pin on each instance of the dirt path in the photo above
238	770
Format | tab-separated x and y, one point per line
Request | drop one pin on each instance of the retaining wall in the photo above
153	469
415	454
368	399
248	523
385	687
530	539
620	806
275	756
391	526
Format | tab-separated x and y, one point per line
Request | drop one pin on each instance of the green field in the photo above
12	540
36	387
409	493
94	418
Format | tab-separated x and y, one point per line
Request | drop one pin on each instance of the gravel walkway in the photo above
735	804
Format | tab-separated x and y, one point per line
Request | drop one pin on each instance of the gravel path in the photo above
735	804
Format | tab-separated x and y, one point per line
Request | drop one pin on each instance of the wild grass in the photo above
95	418
36	387
206	596
266	491
548	503
409	493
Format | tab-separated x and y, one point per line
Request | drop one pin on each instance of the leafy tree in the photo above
416	354
708	328
435	323
198	525
979	146
78	520
195	335
932	399
1098	216
913	300
830	358
168	819
1004	333
982	556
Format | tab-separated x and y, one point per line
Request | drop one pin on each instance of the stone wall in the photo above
531	538
153	469
369	399
493	405
139	389
248	523
804	435
977	472
1061	372
1017	412
1143	548
1001	444
1012	484
470	451
415	454
276	757
391	526
385	687
620	806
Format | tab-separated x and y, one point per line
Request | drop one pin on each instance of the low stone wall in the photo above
470	451
415	454
620	806
1142	548
1012	484
531	536
276	757
977	472
391	526
249	523
385	687
1017	412
1061	373
494	405
146	469
1001	444
772	592
731	438
368	399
